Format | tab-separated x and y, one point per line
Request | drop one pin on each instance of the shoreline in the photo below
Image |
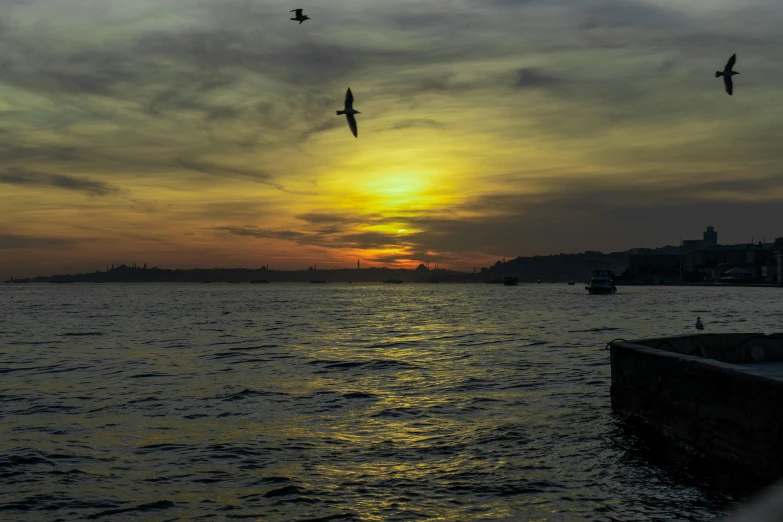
521	283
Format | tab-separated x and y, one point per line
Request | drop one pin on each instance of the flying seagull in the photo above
299	16
728	73
699	326
349	112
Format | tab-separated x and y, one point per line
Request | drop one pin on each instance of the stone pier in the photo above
720	393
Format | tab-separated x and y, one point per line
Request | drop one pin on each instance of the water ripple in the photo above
340	403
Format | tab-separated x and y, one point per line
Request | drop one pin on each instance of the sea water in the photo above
362	402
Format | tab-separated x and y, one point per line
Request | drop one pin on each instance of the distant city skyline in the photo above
709	238
197	134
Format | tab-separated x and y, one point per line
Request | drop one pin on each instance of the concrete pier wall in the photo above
712	405
729	347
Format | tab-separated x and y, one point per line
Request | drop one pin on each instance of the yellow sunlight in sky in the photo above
208	136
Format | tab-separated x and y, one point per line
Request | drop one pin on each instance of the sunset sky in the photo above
200	133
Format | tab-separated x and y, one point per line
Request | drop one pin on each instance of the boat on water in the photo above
511	281
571	283
495	281
393	281
602	282
259	281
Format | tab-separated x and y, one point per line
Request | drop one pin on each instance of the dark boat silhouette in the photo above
511	281
259	281
602	282
571	283
495	281
393	281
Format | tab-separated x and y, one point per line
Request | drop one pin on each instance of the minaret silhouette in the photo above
358	267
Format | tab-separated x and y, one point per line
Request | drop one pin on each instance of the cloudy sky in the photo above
200	133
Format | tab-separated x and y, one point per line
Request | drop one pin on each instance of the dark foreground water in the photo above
288	402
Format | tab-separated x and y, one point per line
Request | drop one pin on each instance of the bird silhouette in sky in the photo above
299	16
349	112
728	73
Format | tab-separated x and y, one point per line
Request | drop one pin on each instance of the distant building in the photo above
704	260
709	239
653	268
753	262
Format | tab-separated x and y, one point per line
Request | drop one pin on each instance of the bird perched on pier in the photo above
699	326
349	112
299	16
728	73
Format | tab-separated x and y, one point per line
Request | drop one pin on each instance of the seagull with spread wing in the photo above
728	73
299	16
349	112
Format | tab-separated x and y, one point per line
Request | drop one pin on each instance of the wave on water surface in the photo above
344	403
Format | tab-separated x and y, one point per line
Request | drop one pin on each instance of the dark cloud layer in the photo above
25	242
255	232
258	176
22	177
532	77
